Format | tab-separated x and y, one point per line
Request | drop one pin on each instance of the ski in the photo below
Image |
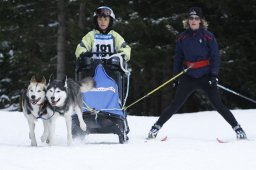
164	139
221	141
228	141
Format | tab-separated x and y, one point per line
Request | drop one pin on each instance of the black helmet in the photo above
105	12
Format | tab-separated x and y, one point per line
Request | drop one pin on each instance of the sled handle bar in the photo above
102	53
119	55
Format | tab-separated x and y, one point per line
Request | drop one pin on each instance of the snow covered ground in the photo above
191	145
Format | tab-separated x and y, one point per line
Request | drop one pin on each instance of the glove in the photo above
84	60
213	82
86	54
175	84
123	55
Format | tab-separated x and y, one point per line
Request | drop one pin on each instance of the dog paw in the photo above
69	142
43	138
83	126
33	144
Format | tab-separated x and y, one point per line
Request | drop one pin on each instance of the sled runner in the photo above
103	105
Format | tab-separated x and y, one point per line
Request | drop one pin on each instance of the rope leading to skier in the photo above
159	87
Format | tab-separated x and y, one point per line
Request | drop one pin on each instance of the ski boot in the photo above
240	134
153	131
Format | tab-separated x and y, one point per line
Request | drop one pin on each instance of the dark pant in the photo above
186	87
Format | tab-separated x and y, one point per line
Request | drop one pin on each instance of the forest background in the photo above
39	37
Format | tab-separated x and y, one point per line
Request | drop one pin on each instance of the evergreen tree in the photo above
28	41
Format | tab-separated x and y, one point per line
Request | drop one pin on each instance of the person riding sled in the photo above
102	42
197	49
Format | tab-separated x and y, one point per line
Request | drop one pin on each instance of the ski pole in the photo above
159	87
240	95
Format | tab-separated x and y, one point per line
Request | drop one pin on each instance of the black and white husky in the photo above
64	98
34	105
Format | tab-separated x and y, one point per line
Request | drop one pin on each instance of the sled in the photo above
103	105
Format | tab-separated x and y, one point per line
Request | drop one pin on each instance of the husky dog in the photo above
64	98
34	105
87	84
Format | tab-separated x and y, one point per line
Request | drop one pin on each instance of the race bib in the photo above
103	43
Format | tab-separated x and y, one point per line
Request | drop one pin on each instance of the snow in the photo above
191	145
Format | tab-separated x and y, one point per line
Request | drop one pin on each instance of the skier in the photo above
196	48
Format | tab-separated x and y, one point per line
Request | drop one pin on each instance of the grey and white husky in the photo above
64	98
34	105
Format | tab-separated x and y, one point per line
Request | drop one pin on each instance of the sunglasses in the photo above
194	18
103	12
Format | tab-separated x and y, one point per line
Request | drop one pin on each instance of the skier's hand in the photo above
213	81
123	56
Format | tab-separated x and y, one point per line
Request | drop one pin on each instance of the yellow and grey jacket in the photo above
88	43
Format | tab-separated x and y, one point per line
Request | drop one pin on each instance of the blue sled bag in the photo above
105	96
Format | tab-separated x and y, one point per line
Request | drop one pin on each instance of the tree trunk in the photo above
81	21
61	42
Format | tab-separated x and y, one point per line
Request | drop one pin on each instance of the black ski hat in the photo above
195	11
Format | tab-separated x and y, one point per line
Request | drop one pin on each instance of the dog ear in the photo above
50	79
33	79
43	80
66	82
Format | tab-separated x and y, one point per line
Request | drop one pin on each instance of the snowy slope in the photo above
191	145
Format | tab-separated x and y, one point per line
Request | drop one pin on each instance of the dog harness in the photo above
197	64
